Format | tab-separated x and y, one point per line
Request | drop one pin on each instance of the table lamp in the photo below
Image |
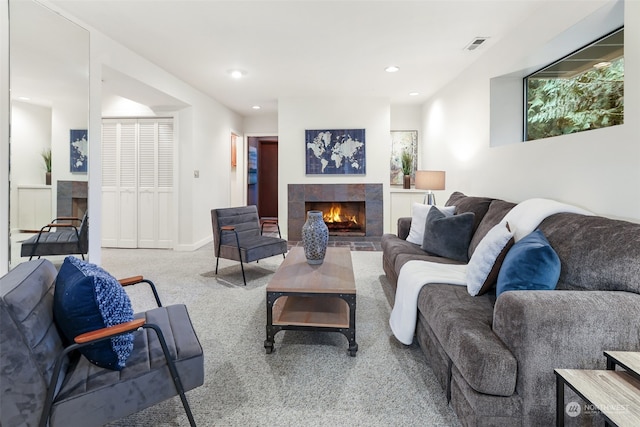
430	180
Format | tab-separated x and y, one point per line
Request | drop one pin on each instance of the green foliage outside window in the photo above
591	100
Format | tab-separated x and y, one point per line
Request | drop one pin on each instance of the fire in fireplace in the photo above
342	218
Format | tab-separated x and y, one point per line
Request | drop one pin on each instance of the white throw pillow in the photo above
419	213
484	265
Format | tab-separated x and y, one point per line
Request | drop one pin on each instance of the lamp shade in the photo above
430	180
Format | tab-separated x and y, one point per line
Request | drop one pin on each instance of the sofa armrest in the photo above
404	225
562	329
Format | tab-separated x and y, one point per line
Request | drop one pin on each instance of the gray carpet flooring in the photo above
309	380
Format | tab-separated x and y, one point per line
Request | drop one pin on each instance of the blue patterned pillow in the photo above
530	264
87	298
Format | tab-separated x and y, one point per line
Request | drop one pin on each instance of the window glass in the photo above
582	91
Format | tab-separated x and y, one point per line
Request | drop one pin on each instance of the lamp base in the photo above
429	198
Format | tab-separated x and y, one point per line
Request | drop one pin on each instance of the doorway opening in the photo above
262	174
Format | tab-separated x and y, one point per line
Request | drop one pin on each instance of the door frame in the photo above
245	164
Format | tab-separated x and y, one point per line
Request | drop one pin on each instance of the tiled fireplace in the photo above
72	198
351	211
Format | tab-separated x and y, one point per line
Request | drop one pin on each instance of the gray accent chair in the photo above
237	235
43	382
71	237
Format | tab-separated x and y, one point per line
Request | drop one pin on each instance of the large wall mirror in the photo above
49	86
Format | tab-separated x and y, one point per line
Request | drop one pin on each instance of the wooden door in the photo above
268	178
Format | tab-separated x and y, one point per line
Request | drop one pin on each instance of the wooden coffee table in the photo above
320	297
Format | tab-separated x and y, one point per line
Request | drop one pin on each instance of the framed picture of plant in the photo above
404	143
78	150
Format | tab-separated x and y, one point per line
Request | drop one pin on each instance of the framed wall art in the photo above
335	152
403	141
78	150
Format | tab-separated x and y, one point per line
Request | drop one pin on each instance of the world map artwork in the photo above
79	150
332	152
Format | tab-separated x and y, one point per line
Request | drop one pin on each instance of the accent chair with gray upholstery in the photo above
43	381
237	235
71	236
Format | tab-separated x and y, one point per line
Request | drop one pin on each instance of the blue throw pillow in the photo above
531	264
448	236
87	298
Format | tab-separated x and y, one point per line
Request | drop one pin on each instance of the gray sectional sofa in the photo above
495	357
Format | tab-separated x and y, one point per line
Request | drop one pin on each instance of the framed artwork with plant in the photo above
46	157
404	155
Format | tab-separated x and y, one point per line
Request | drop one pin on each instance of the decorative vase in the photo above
406	183
47	178
315	237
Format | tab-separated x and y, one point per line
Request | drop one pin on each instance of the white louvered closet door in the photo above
137	176
155	183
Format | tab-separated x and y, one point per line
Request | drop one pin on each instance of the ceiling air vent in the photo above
475	43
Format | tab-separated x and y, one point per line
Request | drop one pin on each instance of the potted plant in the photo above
46	156
407	168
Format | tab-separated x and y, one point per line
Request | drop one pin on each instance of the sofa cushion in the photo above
88	298
463	203
486	261
597	253
496	212
419	212
531	264
463	326
448	236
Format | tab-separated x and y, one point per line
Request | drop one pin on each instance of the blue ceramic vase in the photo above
315	237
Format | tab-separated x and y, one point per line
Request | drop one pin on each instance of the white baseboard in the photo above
194	246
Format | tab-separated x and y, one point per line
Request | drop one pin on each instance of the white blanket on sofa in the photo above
523	218
413	276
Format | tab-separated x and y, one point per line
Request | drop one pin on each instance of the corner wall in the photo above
598	170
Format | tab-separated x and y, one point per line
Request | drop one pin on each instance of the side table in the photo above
616	394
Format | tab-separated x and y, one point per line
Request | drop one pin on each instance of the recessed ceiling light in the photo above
392	69
414	93
256	107
237	74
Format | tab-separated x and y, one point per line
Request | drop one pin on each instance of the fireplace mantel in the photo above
370	194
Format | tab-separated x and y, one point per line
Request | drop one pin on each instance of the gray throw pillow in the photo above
448	237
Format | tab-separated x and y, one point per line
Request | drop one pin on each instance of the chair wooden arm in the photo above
228	228
127	281
109	331
59	225
66	218
269	220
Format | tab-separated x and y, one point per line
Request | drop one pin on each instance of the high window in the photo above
582	91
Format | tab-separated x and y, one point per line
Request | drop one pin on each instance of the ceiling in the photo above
304	48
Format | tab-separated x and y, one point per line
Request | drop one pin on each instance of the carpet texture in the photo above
309	379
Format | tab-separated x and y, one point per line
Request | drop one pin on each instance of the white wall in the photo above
203	131
295	115
31	128
598	170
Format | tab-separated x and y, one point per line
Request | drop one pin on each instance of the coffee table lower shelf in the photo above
325	312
